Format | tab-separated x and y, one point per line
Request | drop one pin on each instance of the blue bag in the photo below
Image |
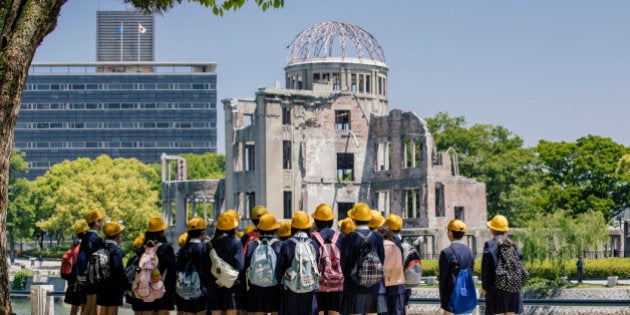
463	298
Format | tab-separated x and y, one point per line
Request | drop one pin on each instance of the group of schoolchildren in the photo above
298	267
457	290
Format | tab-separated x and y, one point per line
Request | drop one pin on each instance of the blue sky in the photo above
552	70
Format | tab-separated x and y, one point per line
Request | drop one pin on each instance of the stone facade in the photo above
327	137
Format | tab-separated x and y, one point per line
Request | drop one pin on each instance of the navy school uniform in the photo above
90	243
358	299
497	301
292	303
262	299
457	251
396	293
112	291
195	252
328	301
230	249
167	267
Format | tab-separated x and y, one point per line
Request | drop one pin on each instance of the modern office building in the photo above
329	137
130	110
124	36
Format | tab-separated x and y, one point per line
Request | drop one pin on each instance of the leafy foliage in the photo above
19	279
217	7
493	155
558	237
589	174
124	189
21	211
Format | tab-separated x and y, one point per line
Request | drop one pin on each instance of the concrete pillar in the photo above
41	302
180	211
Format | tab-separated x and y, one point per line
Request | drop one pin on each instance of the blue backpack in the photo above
463	298
302	276
262	267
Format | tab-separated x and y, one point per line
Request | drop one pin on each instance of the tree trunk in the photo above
24	25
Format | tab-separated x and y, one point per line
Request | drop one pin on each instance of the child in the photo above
452	259
194	251
263	299
110	294
294	303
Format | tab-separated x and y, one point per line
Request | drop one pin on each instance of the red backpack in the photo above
251	236
330	274
68	260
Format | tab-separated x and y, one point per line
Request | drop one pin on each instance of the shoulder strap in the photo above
319	238
335	238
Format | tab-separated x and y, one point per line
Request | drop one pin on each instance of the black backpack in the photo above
510	274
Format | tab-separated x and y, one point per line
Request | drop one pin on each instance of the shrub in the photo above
19	279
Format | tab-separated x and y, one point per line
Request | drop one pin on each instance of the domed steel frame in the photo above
334	40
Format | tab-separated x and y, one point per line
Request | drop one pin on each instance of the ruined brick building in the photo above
328	137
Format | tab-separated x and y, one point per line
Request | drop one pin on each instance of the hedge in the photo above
593	268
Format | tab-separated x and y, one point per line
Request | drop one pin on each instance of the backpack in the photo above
130	272
413	265
302	276
393	265
330	273
262	267
148	284
368	269
68	260
98	266
510	274
463	298
225	274
251	236
188	283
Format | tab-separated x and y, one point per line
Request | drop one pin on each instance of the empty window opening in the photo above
336	82
342	209
383	201
250	200
248	119
368	84
440	209
412	203
459	213
286	115
287	201
342	119
345	166
383	154
353	82
286	155
249	157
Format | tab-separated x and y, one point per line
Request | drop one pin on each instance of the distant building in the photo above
72	110
329	137
124	36
124	105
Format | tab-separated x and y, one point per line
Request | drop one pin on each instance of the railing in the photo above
545	302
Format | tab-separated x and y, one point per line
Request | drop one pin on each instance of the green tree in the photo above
559	237
590	174
124	189
24	25
20	212
495	156
206	166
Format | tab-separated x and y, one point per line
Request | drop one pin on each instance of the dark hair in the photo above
158	237
357	222
194	233
458	235
323	224
268	233
255	221
218	233
111	237
386	233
